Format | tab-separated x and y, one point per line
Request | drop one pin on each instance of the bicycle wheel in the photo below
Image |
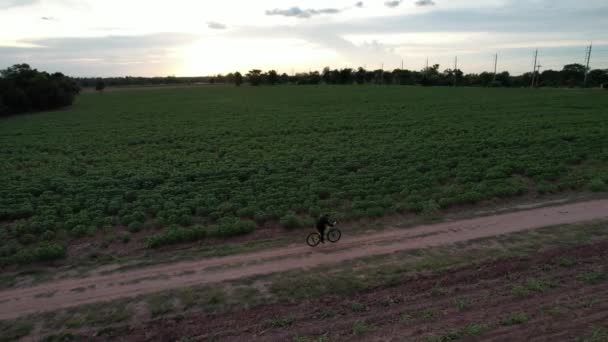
334	235
313	239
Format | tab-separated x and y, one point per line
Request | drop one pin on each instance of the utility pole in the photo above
495	64
588	58
455	68
534	69
402	64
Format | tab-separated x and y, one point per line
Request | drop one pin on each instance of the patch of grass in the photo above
390	301
462	303
291	286
15	330
279	322
45	294
7	281
532	285
246	296
593	277
555	310
358	307
475	329
566	262
438	291
362	328
207	298
597	334
310	339
515	319
60	337
405	317
470	330
590	302
428	314
90	315
159	305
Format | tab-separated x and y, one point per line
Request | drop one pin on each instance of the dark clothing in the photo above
322	224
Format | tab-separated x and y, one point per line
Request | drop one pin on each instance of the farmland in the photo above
186	164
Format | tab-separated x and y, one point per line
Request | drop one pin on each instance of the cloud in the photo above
300	13
359	4
111	55
392	4
215	25
422	3
5	4
48	18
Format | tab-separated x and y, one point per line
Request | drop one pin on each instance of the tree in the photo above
255	77
387	78
360	76
273	77
238	79
24	89
550	78
326	75
345	76
504	79
598	77
573	75
100	85
284	78
403	77
430	75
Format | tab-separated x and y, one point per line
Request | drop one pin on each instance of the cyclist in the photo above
322	224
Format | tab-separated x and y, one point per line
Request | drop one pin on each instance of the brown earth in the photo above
563	303
109	286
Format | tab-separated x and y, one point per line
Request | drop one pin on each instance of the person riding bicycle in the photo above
322	224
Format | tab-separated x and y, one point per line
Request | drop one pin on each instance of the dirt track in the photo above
73	292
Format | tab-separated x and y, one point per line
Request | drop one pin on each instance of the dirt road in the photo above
73	292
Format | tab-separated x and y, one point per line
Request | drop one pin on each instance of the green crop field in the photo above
221	161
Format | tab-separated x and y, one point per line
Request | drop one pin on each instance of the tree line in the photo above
86	82
23	89
571	75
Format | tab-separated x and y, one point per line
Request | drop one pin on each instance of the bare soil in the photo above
563	303
114	285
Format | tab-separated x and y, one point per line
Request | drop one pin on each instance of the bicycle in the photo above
333	235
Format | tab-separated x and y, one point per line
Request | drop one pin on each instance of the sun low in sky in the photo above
203	37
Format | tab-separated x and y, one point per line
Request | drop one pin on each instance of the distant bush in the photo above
430	209
291	221
597	185
23	89
228	227
135	226
176	235
45	252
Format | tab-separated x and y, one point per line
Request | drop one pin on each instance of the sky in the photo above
206	37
